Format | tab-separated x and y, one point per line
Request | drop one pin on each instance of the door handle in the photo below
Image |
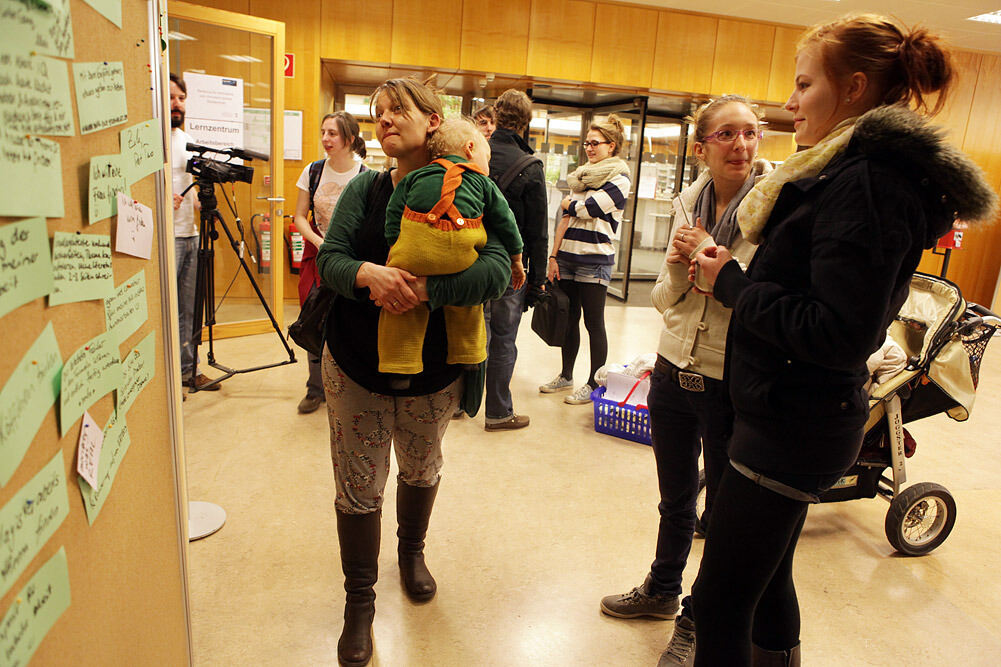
271	198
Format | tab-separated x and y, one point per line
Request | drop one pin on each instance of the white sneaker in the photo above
559	383
579	397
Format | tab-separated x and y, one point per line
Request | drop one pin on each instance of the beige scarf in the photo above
753	212
590	176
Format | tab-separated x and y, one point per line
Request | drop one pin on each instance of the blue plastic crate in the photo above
627	421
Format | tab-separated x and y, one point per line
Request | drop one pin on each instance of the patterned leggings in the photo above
363	424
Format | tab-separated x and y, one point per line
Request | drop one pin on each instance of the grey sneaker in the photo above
579	397
681	649
638	602
559	383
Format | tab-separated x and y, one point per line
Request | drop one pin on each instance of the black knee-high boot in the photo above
358	535
413	512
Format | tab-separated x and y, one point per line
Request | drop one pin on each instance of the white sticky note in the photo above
88	451
135	228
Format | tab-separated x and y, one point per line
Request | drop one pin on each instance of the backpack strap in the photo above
512	172
315	172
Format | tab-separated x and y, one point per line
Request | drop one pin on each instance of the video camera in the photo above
216	171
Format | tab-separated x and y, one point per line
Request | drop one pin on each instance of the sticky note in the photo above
110	9
30	518
90	373
25	263
100	95
107	179
126	310
35	94
142	149
34	610
42	27
134	234
26	398
88	449
81	268
116	444
138	368
31	172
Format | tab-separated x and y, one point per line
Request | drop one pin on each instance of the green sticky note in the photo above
81	268
35	610
26	398
100	95
116	444
42	26
138	368
35	94
110	9
92	371
142	149
126	310
31	172
107	179
25	263
30	518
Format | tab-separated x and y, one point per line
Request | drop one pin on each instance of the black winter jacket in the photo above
833	268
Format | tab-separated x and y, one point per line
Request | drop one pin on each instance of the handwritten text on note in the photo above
126	310
34	611
31	172
88	450
116	444
35	94
135	227
107	179
81	267
89	373
142	149
25	263
100	95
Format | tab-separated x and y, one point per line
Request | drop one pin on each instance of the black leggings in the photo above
589	297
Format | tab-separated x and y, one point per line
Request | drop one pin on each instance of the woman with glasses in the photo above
583	253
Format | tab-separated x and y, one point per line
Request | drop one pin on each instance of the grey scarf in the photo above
590	176
726	231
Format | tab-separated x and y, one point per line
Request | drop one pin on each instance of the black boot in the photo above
762	658
413	511
358	535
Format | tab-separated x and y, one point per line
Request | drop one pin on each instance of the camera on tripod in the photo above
216	171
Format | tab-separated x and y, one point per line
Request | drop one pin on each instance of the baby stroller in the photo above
944	338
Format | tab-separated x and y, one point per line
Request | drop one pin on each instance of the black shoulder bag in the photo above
551	316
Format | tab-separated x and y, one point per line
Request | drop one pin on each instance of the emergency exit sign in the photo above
289	65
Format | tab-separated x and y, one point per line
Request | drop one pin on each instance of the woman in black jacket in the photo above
841	227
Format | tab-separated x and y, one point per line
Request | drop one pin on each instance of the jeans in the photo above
314	382
186	256
503	315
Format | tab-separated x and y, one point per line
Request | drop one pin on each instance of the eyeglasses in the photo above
730	136
595	144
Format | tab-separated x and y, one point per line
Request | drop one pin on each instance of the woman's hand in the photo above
688	239
552	270
389	287
565	204
709	262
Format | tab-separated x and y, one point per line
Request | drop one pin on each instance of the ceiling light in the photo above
241	59
990	17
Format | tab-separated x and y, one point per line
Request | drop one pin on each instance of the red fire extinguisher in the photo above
295	246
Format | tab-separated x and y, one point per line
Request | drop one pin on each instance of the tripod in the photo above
205	287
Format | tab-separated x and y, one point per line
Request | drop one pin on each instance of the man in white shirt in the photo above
185	234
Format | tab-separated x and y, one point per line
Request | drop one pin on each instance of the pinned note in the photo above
25	263
100	95
135	228
88	449
26	398
81	267
138	368
42	27
30	518
35	94
126	310
116	444
142	150
90	373
31	172
110	9
107	179
34	610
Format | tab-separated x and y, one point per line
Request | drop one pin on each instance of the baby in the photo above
436	220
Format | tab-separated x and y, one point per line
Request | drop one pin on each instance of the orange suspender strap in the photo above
444	215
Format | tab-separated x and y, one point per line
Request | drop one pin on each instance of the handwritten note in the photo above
30	518
126	310
88	449
142	149
81	268
31	172
110	9
90	373
25	263
35	610
42	27
138	368
107	179
35	94
100	95
26	398
116	444
135	228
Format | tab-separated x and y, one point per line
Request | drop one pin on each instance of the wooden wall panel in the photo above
349	31
420	36
783	70
560	39
743	59
625	39
686	45
955	115
495	35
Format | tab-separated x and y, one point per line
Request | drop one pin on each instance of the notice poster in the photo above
214	110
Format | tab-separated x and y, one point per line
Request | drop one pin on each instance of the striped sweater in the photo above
594	221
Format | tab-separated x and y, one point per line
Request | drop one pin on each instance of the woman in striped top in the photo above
583	253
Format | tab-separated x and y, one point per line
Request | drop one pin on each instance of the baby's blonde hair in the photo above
452	136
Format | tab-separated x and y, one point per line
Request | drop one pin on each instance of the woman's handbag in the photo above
552	316
308	330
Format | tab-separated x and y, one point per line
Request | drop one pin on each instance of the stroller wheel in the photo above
920	518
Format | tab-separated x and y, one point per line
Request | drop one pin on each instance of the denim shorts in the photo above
600	274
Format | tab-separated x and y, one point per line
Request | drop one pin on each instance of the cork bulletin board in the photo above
92	503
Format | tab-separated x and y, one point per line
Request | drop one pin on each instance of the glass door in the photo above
232	65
